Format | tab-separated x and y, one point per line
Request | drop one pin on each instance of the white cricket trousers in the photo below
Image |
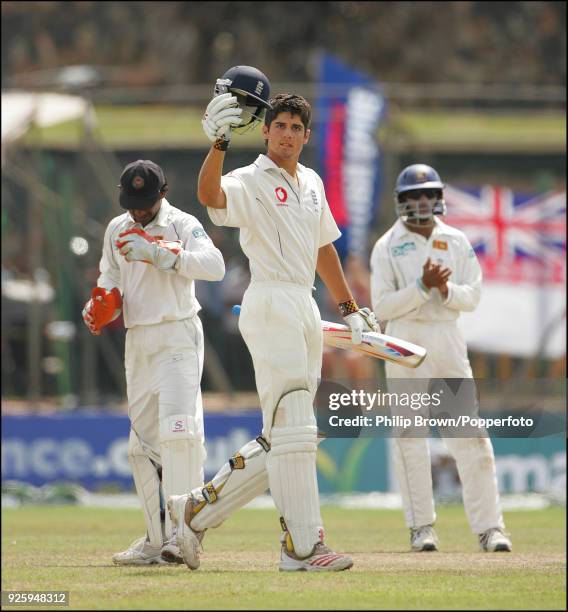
164	363
446	358
281	325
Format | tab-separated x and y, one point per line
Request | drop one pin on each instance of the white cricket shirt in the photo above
150	295
396	266
282	223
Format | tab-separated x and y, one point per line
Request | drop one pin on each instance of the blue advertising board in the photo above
90	449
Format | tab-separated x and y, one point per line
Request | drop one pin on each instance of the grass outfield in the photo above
69	548
180	126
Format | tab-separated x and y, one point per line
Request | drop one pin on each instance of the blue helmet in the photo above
252	89
419	178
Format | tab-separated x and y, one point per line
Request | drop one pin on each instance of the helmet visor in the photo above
252	114
418	206
416	194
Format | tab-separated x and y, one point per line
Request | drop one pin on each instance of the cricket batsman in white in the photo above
286	231
152	254
423	274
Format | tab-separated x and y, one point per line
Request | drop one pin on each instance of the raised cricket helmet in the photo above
252	89
412	184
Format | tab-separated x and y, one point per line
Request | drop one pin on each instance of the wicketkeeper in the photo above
423	274
286	231
151	256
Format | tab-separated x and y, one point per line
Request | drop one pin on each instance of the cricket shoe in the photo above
140	552
423	539
323	559
189	541
494	540
170	550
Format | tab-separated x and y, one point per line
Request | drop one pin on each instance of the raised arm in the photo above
221	114
209	192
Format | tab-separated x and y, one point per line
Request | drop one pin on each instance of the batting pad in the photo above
291	466
182	454
147	483
237	483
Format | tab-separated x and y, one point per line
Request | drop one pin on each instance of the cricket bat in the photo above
375	345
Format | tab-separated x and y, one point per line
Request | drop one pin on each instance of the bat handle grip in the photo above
236	310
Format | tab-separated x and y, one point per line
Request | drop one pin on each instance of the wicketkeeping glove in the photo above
361	321
221	114
137	245
103	307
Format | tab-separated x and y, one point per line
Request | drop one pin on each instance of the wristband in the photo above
348	307
422	286
221	144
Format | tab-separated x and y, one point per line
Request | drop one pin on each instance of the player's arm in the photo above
105	304
193	256
209	192
136	245
465	296
221	114
199	259
388	301
109	269
330	271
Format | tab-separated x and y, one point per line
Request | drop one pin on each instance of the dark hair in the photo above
289	103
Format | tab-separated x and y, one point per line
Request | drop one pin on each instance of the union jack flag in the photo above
518	238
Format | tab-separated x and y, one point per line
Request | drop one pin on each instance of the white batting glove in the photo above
361	321
137	245
370	320
221	114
